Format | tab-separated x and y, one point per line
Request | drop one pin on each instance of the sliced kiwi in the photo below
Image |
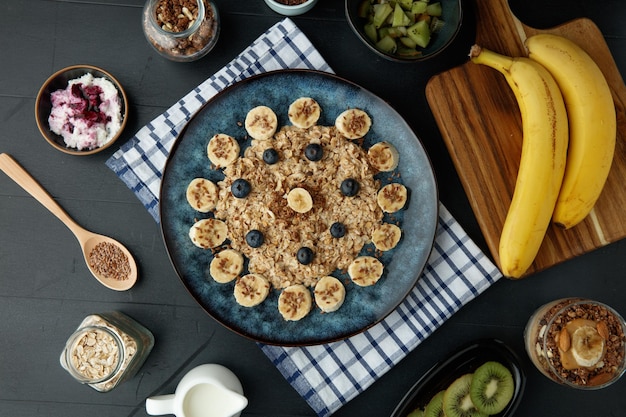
434	408
492	387
457	401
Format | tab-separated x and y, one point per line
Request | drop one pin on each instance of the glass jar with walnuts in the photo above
181	30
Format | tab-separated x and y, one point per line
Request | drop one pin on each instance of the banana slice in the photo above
299	200
383	156
392	197
261	123
208	233
222	150
202	195
365	271
304	112
353	123
386	236
329	294
587	346
251	290
226	266
294	302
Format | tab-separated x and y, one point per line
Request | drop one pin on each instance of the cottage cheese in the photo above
87	114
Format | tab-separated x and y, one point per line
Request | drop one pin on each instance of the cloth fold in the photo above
326	376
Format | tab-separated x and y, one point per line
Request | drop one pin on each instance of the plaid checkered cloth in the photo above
326	376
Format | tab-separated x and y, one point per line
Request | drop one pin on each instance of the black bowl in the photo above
59	81
452	15
465	360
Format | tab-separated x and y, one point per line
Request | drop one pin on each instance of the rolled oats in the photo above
106	349
95	354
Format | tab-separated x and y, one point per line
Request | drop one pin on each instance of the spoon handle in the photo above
29	184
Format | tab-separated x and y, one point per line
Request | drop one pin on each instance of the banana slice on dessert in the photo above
294	302
392	197
222	150
226	266
386	236
304	112
251	290
299	200
330	294
365	271
587	346
202	195
261	123
208	233
383	156
353	123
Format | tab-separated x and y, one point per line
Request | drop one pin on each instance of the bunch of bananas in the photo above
569	133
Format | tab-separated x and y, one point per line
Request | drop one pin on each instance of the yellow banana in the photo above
542	165
592	118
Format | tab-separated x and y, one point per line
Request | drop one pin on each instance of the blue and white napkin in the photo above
326	376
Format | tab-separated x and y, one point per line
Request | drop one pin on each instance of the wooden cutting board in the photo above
481	125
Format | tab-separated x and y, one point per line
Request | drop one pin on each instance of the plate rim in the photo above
263	339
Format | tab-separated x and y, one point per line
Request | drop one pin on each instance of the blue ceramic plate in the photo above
363	307
465	360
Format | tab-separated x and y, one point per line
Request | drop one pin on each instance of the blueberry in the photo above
305	255
338	230
313	152
350	187
270	156
254	238
240	188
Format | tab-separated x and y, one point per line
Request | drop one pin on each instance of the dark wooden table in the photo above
46	290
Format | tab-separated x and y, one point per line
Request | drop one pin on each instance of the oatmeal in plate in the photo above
363	306
285	230
300	203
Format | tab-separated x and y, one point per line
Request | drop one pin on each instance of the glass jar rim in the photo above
573	302
73	340
184	33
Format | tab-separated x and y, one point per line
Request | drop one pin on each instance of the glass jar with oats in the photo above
106	349
181	30
577	342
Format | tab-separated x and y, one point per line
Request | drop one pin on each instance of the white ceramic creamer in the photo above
208	390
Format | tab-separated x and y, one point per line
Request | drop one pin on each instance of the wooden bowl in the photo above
59	81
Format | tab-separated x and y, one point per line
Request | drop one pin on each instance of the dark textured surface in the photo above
46	290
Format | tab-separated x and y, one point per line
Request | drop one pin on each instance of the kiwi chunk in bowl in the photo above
464	363
400	33
491	387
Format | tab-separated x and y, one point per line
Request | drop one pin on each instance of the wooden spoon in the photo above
88	241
